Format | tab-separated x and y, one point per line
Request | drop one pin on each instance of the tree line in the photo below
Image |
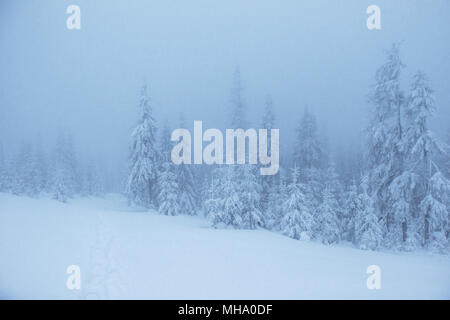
395	194
392	193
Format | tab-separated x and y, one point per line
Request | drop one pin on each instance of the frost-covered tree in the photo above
143	159
41	168
249	192
351	210
164	150
298	222
187	194
368	232
328	220
25	174
277	198
385	156
332	183
60	186
187	191
435	211
230	205
168	191
211	205
268	182
64	182
29	171
432	210
167	186
308	156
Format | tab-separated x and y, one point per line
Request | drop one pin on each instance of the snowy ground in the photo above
135	254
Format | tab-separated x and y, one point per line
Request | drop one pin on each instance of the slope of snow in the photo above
135	254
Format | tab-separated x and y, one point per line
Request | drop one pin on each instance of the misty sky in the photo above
304	53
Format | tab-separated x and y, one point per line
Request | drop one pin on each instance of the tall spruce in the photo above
385	155
187	191
431	212
143	159
298	222
268	182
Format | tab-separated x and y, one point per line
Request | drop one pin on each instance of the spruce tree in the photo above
211	204
168	191
64	172
142	178
250	196
329	222
368	232
298	222
385	133
268	182
277	198
432	216
230	204
352	208
187	192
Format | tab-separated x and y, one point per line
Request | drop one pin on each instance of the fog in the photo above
315	54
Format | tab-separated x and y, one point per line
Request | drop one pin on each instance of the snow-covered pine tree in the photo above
164	148
298	222
308	157
329	222
401	196
142	178
434	209
187	192
250	191
168	191
231	206
368	232
268	182
64	164
212	204
167	186
385	157
23	185
232	177
334	185
71	162
431	213
60	187
26	171
352	207
41	168
277	198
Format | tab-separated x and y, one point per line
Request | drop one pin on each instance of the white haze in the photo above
304	53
